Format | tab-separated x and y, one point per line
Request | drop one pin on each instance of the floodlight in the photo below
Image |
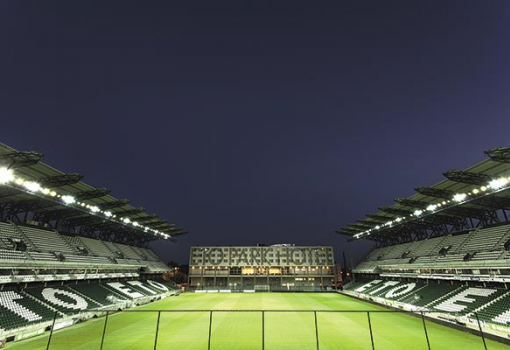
94	209
45	190
418	212
459	197
32	186
498	183
126	220
108	213
6	175
432	207
475	191
68	199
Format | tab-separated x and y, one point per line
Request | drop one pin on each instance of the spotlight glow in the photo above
459	197
498	183
6	175
68	199
32	186
432	207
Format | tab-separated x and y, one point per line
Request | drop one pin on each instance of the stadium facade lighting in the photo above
8	176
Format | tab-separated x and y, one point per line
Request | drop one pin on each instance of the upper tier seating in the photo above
486	239
8	234
46	241
486	244
12	255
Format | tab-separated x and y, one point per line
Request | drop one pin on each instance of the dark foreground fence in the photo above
266	330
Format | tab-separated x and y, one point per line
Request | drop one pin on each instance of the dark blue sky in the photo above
251	122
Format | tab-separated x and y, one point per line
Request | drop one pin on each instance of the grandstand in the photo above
69	251
445	249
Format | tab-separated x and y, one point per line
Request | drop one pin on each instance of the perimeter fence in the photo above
266	330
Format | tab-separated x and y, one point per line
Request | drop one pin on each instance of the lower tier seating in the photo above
63	299
17	310
36	304
491	304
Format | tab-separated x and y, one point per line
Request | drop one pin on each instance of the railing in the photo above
266	330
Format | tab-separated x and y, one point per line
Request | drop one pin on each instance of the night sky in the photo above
250	122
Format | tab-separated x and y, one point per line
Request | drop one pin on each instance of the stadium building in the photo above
444	250
264	268
69	251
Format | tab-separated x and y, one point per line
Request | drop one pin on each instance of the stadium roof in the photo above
476	197
33	191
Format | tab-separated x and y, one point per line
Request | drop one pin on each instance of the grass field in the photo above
242	330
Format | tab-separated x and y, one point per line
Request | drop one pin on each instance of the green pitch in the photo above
242	330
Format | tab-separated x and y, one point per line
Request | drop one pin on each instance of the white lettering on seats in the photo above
140	285
450	304
50	294
7	300
405	288
366	286
158	285
125	290
503	318
384	286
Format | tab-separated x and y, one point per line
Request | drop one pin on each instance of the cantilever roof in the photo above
28	165
433	210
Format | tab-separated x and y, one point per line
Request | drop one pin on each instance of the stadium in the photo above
76	273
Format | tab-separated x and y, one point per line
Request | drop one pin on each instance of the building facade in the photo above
276	268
